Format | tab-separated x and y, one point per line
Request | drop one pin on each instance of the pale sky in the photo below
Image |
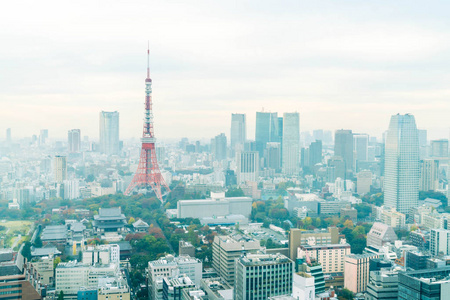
341	64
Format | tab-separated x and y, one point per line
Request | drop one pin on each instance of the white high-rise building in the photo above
440	241
109	132
429	175
291	143
60	168
74	140
401	181
247	166
238	134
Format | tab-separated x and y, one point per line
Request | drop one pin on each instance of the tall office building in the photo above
401	180
363	182
429	175
219	146
225	251
315	153
439	148
266	130
109	132
291	143
440	241
43	136
361	149
272	156
74	140
318	134
260	276
247	166
423	143
238	134
8	135
60	168
343	147
356	274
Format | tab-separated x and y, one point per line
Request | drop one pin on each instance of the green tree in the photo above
61	295
38	242
234	193
346	294
26	250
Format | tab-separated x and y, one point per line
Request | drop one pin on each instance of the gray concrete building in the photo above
260	276
226	249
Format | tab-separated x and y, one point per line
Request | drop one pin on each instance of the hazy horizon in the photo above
340	65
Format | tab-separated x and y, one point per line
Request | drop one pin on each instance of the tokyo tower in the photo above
148	174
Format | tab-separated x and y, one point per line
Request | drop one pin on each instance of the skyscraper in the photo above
343	147
429	175
439	148
74	140
361	147
315	153
43	136
247	166
8	135
238	134
219	146
291	143
109	132
266	130
60	168
401	180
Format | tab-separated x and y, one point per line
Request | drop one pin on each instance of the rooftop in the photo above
325	247
54	232
109	214
45	251
263	259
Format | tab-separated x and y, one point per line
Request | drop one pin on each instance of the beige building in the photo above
60	168
393	218
226	250
363	182
113	289
331	257
44	267
356	272
299	237
380	234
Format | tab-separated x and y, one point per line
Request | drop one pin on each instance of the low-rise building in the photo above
380	234
217	205
383	285
173	287
109	220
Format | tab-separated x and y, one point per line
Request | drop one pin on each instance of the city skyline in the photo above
335	73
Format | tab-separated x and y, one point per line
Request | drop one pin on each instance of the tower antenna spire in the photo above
148	175
148	59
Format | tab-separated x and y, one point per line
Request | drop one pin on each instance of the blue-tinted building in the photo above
87	295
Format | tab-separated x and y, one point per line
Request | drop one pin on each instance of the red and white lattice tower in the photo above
148	174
